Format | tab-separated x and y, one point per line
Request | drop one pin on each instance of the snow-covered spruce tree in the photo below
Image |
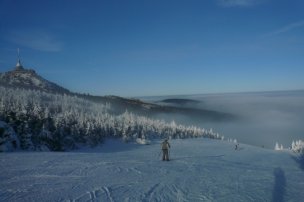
8	138
298	146
26	142
278	147
61	122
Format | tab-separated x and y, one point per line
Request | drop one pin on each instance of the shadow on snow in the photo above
279	185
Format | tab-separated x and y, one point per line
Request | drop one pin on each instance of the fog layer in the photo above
264	118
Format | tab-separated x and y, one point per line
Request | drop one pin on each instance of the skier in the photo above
236	147
165	148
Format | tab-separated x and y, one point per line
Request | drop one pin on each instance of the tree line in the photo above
63	122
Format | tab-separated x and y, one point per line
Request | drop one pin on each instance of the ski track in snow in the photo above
199	170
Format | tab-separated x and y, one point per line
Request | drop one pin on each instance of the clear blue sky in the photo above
157	47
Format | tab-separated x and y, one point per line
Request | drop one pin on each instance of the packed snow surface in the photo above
199	170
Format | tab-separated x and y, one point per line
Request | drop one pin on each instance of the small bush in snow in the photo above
232	140
142	141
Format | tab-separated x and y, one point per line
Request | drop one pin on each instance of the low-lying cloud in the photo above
264	118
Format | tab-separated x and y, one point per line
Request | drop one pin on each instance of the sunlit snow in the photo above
200	170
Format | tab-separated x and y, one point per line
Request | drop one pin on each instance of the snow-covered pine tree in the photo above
297	146
60	121
277	147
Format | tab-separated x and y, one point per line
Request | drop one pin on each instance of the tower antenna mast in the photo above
18	65
18	54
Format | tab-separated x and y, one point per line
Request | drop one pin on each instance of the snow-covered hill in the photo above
29	79
199	170
61	122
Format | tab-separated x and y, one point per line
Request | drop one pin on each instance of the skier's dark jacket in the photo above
165	145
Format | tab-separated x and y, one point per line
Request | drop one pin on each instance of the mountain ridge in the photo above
29	79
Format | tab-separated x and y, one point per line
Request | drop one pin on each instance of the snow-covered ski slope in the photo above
199	170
